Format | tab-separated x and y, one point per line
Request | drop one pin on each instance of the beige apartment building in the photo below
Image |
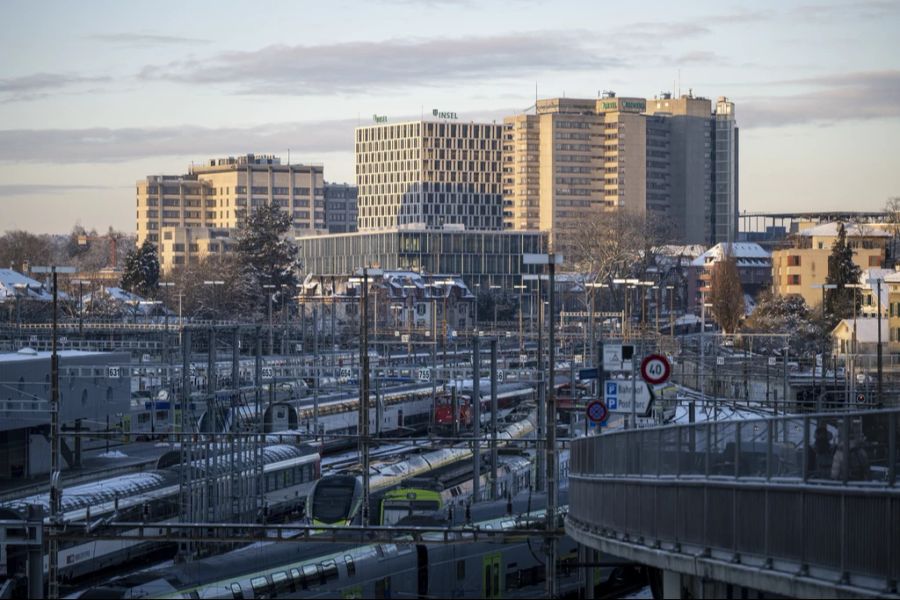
796	270
435	173
216	196
656	157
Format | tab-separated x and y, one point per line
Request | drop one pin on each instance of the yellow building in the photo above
190	216
575	158
796	270
218	194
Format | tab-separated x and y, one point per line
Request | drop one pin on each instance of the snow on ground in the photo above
112	454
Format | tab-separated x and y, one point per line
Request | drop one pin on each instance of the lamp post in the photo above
55	441
852	370
521	288
627	285
494	302
551	260
80	283
271	297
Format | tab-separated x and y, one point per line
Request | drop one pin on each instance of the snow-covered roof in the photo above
747	254
866	329
678	250
11	281
853	230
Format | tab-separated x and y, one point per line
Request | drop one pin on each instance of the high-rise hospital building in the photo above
665	158
434	173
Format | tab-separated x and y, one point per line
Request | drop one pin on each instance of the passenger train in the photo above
337	498
509	396
479	568
153	496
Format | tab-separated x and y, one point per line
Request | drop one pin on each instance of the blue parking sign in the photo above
612	395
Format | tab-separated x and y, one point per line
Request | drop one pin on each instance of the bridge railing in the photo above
814	495
859	447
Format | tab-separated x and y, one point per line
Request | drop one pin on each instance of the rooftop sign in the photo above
443	115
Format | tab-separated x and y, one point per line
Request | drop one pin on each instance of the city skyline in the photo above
103	94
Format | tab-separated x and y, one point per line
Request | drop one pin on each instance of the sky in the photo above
97	95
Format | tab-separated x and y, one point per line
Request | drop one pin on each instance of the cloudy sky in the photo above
96	95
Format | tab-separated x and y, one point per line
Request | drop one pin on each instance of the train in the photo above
465	568
289	472
509	396
337	498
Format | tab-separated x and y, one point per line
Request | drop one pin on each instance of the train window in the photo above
310	575
351	568
279	581
236	591
260	586
460	569
329	569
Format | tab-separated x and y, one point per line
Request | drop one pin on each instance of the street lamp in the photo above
521	287
80	283
271	294
55	491
628	284
494	302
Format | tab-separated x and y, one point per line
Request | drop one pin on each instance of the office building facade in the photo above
434	173
340	207
219	194
481	258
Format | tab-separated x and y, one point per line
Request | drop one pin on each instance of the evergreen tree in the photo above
840	302
141	274
266	256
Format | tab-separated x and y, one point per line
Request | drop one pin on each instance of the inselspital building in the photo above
432	172
672	159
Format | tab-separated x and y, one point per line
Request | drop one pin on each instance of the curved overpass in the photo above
768	505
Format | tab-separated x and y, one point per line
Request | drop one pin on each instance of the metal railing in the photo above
815	495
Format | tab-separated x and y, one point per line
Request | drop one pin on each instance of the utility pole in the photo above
494	419
55	474
879	356
476	419
364	391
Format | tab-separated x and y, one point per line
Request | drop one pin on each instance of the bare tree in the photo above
726	294
892	217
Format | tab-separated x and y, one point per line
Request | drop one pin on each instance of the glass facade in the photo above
482	258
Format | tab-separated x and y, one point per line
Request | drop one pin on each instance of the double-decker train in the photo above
338	498
469	567
509	396
289	472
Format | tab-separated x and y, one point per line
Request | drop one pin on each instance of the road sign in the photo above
596	412
617	357
617	394
589	373
655	369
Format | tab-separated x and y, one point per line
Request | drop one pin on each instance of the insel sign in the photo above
443	115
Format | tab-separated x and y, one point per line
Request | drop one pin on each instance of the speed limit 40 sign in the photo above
655	369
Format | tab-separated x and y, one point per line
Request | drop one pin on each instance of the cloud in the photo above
43	189
357	67
107	145
39	85
144	39
836	11
848	96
